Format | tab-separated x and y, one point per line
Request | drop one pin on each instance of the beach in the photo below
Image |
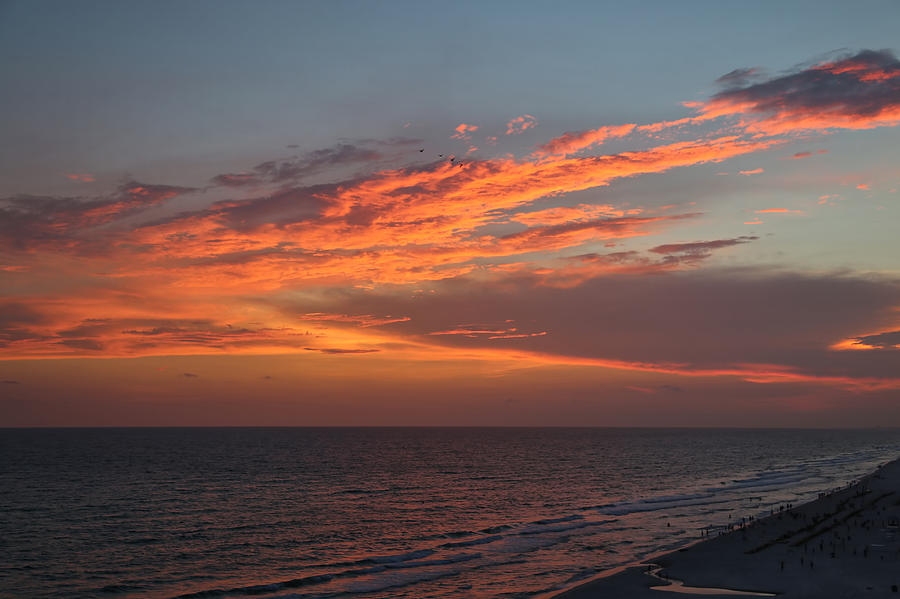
843	545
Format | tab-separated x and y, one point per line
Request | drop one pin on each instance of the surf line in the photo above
677	586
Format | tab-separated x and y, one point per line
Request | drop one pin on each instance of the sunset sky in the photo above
449	213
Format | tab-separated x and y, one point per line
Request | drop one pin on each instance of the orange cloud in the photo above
82	178
861	91
407	225
464	131
520	124
477	331
753	172
868	66
575	141
214	271
362	320
884	339
566	214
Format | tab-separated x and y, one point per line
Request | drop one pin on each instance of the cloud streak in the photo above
27	221
572	142
858	91
752	325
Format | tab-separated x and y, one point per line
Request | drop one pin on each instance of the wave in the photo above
434	557
481	541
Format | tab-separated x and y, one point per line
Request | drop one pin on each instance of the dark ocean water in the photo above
410	513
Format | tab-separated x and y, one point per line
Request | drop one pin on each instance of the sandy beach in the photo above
843	545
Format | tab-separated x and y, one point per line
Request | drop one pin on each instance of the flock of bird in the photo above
451	158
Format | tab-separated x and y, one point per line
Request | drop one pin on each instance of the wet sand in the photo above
843	545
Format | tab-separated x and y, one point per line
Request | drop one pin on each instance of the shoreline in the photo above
843	544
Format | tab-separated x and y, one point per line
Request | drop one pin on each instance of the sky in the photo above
430	213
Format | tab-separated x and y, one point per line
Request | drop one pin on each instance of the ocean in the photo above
385	512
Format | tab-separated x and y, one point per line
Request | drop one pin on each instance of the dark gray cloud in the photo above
237	179
710	318
294	204
859	86
26	220
18	313
295	168
398	141
22	324
738	77
88	344
888	340
611	226
17	322
312	162
674	256
88	328
703	248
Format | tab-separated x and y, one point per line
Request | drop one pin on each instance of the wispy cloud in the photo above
778	211
701	248
26	221
749	324
576	141
338	350
802	155
299	167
